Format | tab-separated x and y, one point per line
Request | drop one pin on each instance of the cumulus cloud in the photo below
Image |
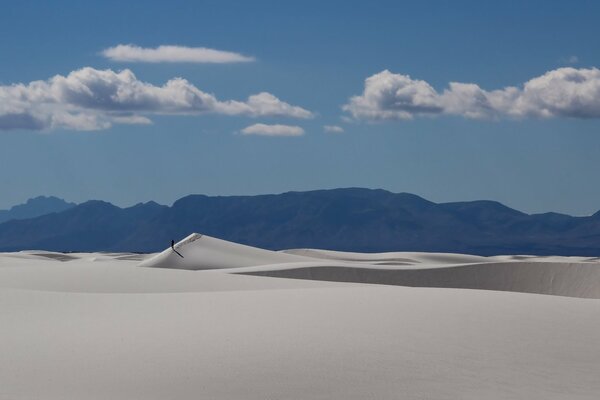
90	99
273	130
132	53
333	129
266	105
564	92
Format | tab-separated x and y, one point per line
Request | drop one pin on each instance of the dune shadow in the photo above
559	279
178	253
56	256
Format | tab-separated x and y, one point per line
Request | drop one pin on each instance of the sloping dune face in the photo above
562	276
561	279
199	252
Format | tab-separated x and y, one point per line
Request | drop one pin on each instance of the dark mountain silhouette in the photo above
341	219
35	207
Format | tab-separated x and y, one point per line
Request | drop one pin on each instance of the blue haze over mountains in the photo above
35	207
351	219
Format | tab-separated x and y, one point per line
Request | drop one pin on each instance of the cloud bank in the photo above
131	53
91	99
273	130
564	92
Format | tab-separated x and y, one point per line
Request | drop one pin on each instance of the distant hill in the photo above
35	207
341	219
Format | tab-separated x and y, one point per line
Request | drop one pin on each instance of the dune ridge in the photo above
197	252
561	276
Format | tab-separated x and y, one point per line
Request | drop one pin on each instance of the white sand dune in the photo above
562	279
197	252
99	326
398	258
564	276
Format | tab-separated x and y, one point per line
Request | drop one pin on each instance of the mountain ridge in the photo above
347	219
35	207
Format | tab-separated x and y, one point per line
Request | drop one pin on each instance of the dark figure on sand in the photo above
173	248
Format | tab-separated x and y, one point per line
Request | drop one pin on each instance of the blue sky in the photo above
536	150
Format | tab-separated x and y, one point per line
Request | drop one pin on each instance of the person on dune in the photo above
173	248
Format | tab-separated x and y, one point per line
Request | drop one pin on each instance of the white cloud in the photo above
564	92
394	96
333	129
265	105
132	53
89	99
273	130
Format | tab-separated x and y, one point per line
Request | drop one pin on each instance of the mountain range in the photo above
35	207
351	219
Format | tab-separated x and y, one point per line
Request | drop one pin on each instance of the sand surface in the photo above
100	326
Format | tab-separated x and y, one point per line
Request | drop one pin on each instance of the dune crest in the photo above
199	252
